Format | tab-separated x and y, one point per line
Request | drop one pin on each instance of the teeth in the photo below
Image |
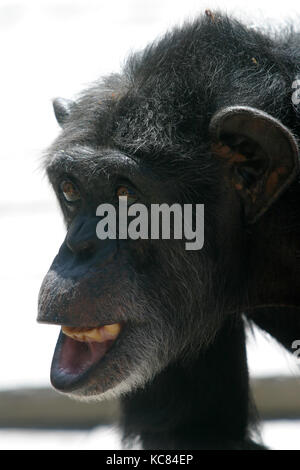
98	335
113	329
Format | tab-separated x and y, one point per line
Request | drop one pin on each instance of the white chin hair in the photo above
136	379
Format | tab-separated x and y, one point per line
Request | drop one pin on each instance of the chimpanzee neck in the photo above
202	403
274	280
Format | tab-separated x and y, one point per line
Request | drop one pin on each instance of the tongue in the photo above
77	357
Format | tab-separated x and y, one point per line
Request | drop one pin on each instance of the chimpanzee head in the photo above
192	119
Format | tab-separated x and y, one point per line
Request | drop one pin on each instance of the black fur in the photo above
184	309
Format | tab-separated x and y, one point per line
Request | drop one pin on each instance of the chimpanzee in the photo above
202	115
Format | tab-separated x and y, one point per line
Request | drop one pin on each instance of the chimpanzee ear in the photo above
261	152
62	109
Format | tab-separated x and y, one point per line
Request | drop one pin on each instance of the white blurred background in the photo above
51	48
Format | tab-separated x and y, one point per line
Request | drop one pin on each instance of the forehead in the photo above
84	160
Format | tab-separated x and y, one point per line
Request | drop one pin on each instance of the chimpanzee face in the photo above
125	305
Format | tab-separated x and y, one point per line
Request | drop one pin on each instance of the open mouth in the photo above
78	351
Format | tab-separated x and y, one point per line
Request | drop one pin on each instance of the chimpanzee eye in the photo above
124	191
70	192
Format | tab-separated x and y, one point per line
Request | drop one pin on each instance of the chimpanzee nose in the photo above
81	237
